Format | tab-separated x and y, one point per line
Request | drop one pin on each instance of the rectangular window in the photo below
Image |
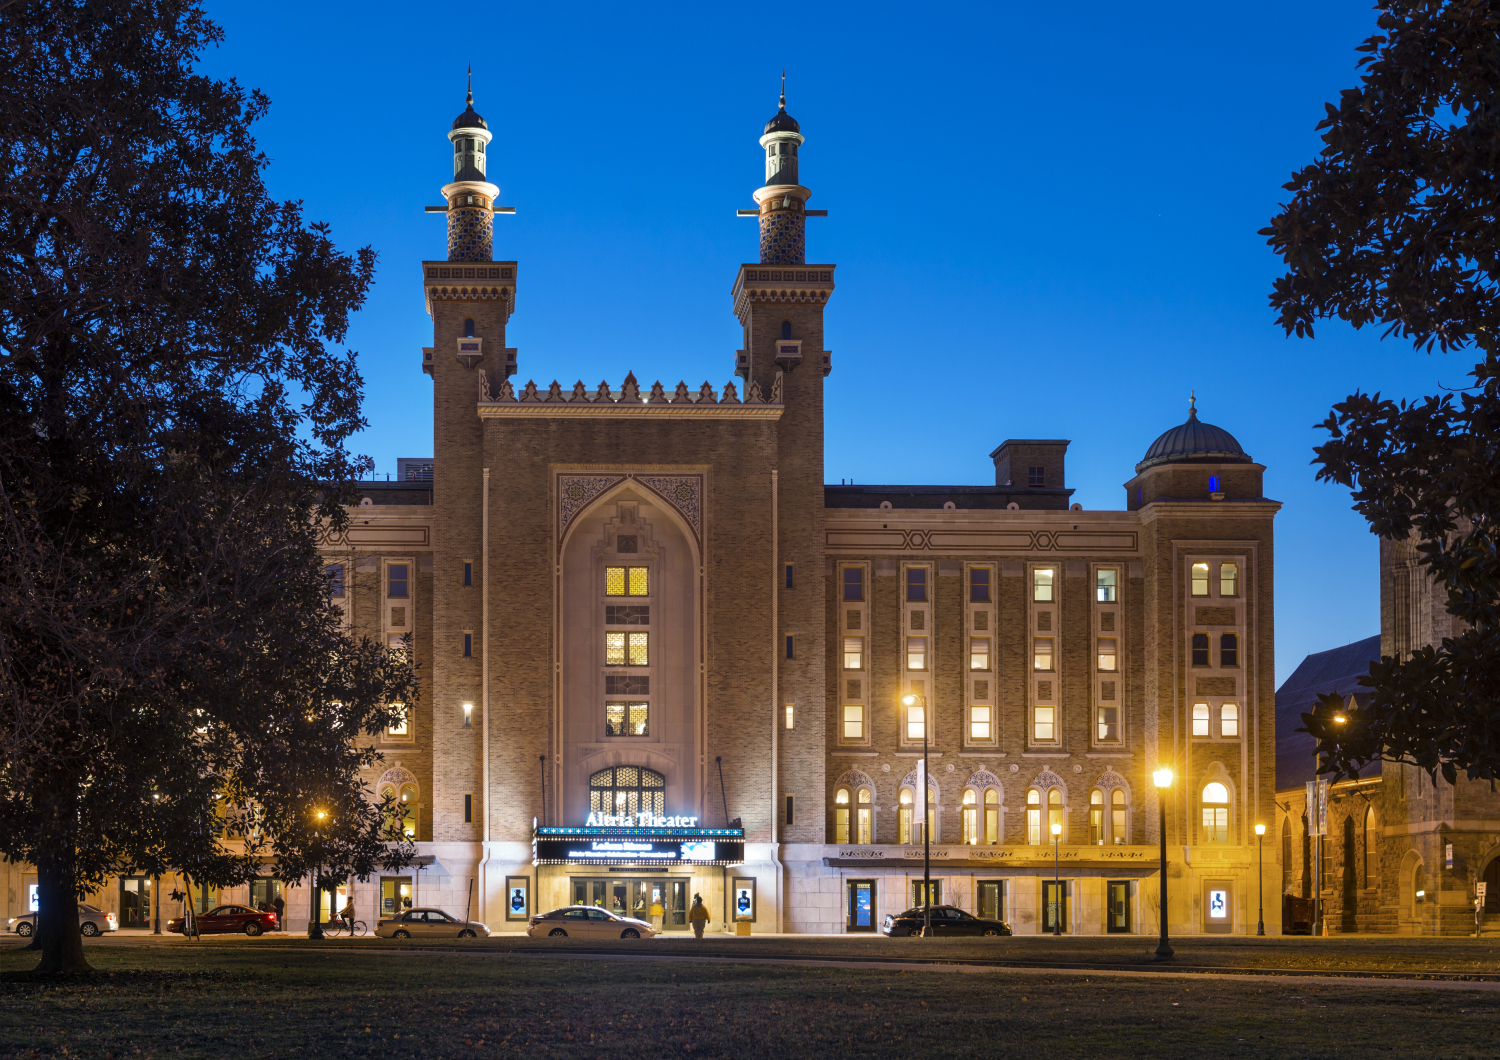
334	572
1229	649
1216	824
1229	579
979	585
1106	584
1036	477
1041	655
627	685
916	653
1041	584
1229	719
627	581
1200	579
854	653
627	649
468	715
398	725
1096	821
396	642
1109	654
791	648
1043	723
854	722
916	894
791	716
979	723
979	653
1200	719
468	574
625	718
468	809
916	584
1200	649
396	575
854	583
916	721
790	581
627	615
841	823
468	645
1108	723
790	807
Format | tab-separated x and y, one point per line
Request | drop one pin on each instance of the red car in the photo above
229	918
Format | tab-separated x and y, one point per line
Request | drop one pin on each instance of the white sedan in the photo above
588	922
430	924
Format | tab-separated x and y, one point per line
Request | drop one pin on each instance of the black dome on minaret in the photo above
1192	442
783	122
470	118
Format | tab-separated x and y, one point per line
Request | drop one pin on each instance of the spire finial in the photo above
783	88
1192	404
470	100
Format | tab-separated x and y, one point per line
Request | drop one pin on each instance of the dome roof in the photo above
470	118
1194	441
783	122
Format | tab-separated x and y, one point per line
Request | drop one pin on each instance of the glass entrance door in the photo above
861	905
1117	907
135	902
677	908
635	897
992	899
395	895
1054	906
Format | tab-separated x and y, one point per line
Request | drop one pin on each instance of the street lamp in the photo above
1163	779
1056	883
315	931
912	700
1260	862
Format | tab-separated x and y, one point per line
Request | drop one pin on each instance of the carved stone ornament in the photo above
575	492
855	779
395	777
983	779
1110	779
682	492
1047	779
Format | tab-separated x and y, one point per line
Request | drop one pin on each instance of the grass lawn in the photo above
242	998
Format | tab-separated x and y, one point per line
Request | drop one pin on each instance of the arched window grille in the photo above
627	790
1215	813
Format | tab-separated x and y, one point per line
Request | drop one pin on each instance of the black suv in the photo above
947	920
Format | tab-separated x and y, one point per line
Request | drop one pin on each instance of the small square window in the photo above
854	583
854	653
916	653
979	585
1043	723
1109	654
1229	649
1036	476
396	575
916	584
627	581
1200	579
1200	649
468	574
1229	719
1041	584
626	718
979	653
398	725
1200	719
1106	585
979	723
854	722
1041	655
1229	579
627	649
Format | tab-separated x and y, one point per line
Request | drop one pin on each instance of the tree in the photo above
172	429
1395	225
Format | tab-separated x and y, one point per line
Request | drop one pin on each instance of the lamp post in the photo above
315	929
1056	883
1163	779
912	700
1260	868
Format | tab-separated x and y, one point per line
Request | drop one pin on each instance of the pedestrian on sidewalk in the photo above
698	916
658	913
280	907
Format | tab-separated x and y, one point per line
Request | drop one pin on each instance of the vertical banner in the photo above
919	809
517	897
742	902
1322	806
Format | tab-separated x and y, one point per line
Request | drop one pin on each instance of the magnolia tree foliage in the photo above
172	424
1394	225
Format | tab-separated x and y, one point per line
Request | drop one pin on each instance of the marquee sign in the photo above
644	844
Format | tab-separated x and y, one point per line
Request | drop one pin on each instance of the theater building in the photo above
661	656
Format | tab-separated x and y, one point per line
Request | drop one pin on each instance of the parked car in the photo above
229	918
947	920
588	922
91	921
430	924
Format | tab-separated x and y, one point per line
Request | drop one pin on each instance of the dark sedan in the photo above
947	920
229	918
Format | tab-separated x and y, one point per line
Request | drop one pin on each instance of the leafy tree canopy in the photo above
173	415
1395	225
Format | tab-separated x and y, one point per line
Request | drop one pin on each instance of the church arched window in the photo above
628	790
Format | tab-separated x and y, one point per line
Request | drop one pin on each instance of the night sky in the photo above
1044	218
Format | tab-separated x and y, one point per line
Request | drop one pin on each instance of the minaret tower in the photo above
471	197
782	201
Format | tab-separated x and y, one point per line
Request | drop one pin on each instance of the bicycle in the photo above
340	925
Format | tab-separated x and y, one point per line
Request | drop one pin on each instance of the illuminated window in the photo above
1108	723
854	653
1096	818
841	816
1043	723
970	818
398	725
854	583
916	653
1200	719
864	813
1041	654
627	790
396	575
1055	810
408	811
903	817
991	817
1229	649
1041	584
625	718
979	585
1106	584
627	649
1034	817
1215	813
1229	719
627	581
979	723
1109	653
1229	579
1200	579
854	722
916	721
979	653
791	716
1200	649
916	584
1118	828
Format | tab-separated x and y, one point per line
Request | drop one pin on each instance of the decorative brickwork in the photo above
471	234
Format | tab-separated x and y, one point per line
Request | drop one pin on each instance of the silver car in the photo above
588	922
430	924
91	921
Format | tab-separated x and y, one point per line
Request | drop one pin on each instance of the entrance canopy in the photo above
640	846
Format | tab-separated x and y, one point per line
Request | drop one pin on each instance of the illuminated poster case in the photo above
638	846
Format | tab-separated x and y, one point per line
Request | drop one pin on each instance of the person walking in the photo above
698	916
280	907
658	913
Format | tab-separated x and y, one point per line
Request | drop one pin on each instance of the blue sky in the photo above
1044	218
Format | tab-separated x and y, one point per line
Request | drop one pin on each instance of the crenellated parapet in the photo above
628	400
